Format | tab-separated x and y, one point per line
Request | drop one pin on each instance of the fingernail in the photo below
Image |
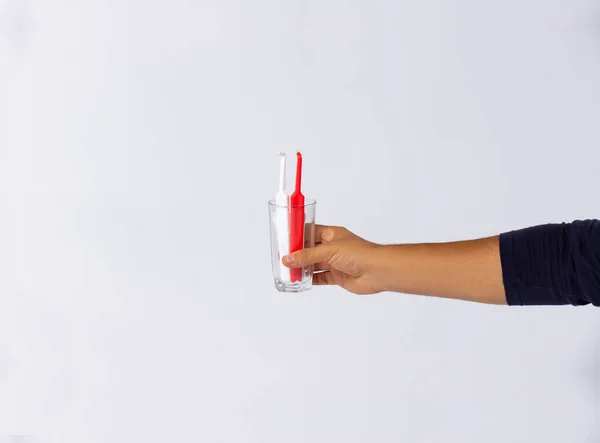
288	260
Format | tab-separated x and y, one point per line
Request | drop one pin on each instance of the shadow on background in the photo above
16	439
16	24
592	382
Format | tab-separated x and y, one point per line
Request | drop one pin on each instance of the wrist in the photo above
385	269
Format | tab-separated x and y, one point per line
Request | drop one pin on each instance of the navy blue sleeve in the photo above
554	264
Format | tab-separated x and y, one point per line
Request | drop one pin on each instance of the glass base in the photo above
299	286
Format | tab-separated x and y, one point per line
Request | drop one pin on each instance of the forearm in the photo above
467	270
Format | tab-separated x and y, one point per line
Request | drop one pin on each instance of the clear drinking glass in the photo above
290	280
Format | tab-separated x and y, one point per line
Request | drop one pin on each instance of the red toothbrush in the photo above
297	219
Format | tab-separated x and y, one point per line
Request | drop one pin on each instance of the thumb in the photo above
309	256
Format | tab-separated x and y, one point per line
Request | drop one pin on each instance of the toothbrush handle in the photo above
296	235
297	218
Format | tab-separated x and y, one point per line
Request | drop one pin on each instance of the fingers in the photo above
320	254
325	234
319	233
309	256
323	278
322	267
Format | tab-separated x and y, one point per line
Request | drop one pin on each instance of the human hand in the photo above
467	270
341	258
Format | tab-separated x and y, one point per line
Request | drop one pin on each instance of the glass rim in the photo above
307	203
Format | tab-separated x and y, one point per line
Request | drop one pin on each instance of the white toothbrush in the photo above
282	220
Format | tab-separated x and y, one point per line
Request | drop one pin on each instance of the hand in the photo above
340	258
467	270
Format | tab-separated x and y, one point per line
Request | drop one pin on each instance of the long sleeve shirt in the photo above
553	264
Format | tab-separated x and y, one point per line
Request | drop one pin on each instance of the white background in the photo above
138	146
